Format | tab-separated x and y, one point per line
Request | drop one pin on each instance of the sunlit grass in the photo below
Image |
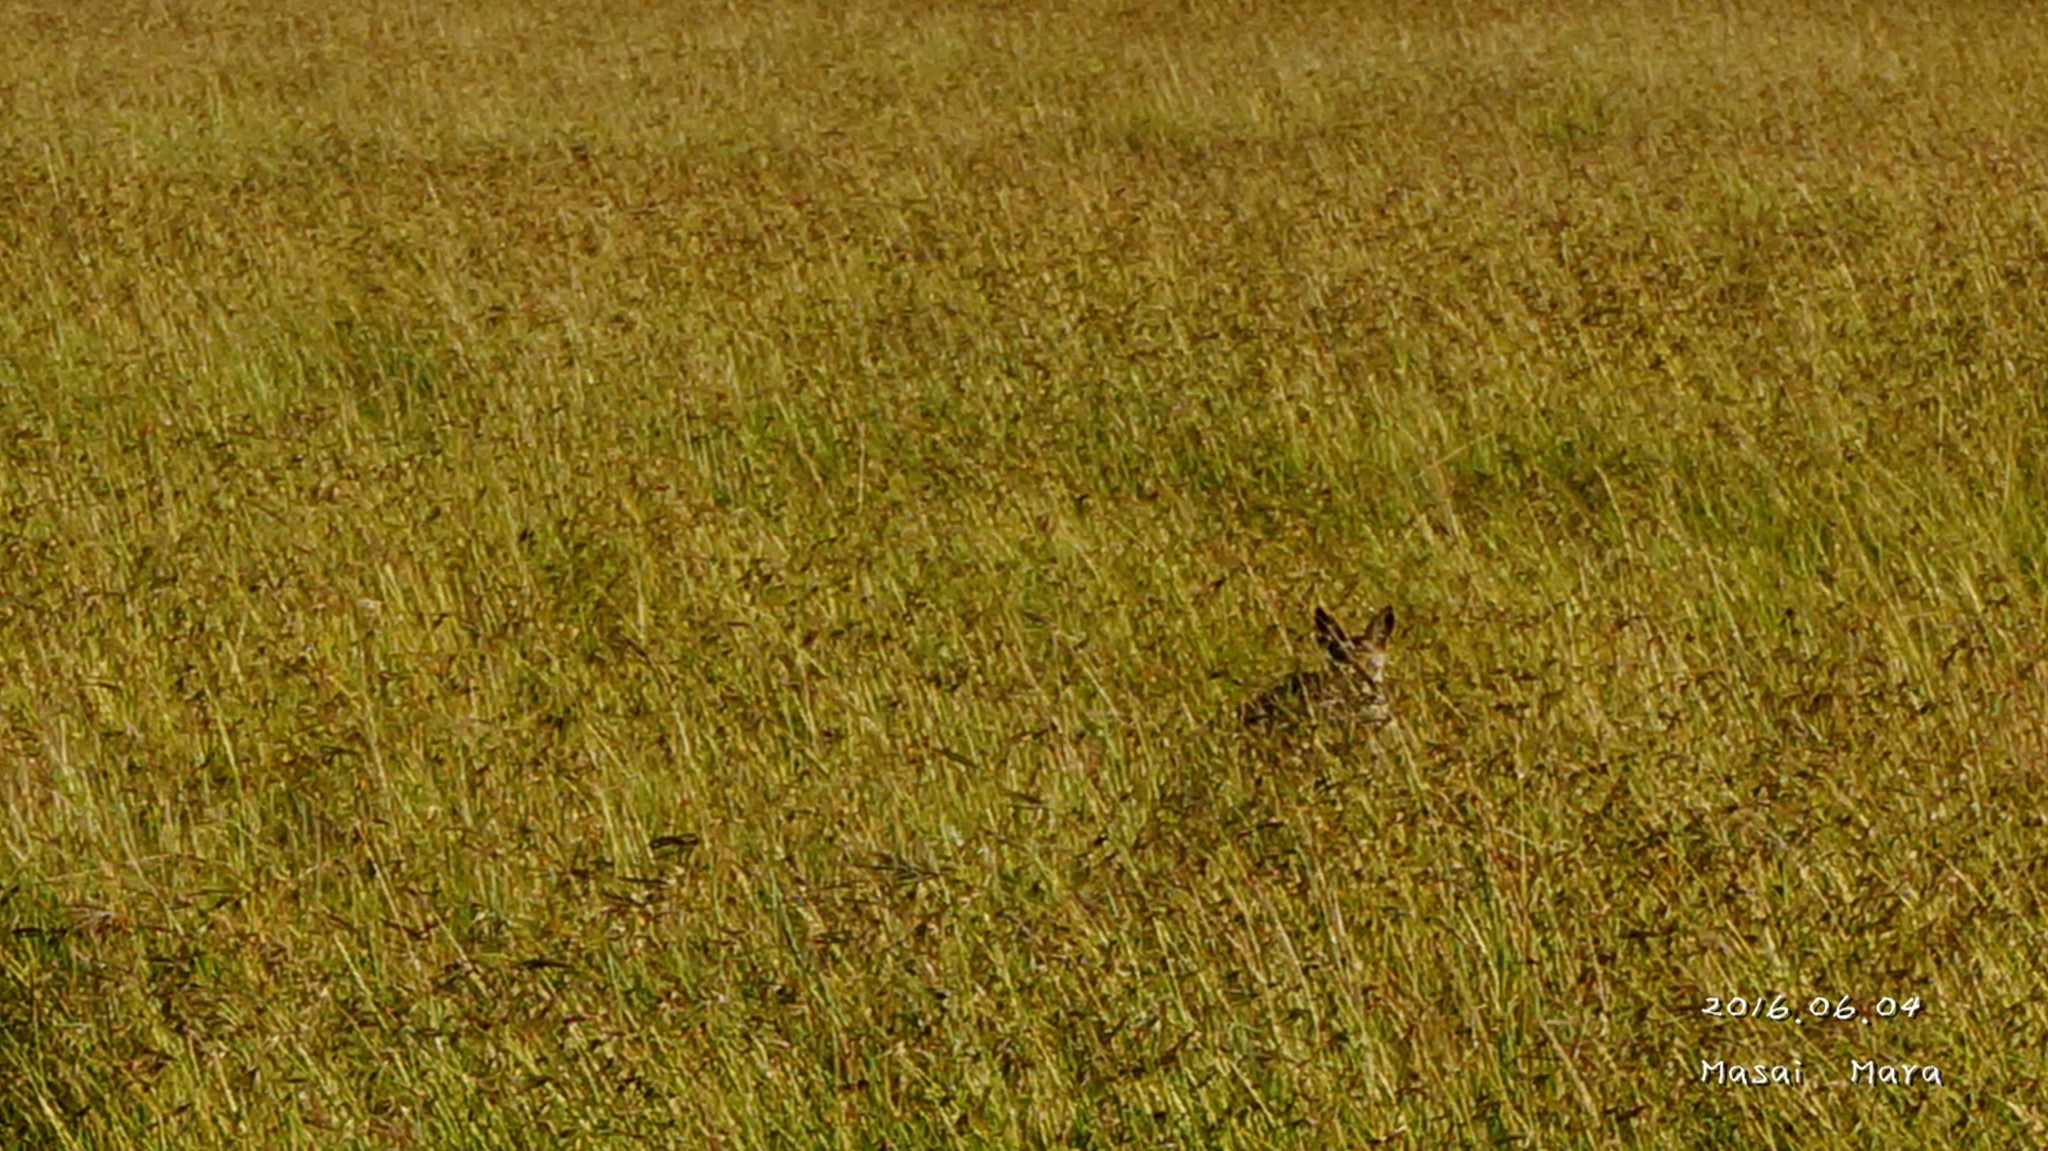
634	575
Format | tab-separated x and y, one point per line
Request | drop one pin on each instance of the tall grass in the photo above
624	574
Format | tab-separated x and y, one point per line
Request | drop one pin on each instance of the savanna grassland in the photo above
679	575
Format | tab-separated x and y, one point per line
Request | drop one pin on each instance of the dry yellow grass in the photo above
679	575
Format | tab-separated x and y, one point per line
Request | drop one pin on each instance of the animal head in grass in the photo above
1351	691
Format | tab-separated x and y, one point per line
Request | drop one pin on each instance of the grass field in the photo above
608	574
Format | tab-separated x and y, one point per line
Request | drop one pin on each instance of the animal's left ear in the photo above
1380	630
1374	642
1331	634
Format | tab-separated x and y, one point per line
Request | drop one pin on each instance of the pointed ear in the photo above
1380	630
1331	633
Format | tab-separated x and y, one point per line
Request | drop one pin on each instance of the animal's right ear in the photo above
1331	634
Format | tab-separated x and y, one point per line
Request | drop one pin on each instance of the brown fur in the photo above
1351	690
